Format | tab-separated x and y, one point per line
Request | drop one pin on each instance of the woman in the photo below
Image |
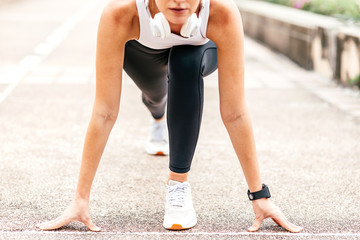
166	47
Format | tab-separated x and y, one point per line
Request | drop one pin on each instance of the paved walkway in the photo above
306	128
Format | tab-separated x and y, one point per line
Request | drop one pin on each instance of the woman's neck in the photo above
175	28
153	8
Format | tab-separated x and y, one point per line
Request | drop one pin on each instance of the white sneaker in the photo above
157	143
179	209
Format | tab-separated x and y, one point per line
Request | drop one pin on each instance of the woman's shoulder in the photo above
224	14
121	9
122	15
220	10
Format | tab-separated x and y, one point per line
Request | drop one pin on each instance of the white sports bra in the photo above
149	40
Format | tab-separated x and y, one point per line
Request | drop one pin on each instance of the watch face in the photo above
251	196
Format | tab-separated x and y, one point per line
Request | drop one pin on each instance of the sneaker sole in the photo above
178	227
158	153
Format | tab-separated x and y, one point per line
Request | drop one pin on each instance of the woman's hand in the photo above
264	208
77	211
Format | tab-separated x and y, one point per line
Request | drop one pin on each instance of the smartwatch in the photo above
264	193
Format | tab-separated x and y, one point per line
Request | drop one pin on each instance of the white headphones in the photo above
160	26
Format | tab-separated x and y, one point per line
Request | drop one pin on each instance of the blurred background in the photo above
319	35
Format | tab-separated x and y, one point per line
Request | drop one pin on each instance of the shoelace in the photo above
177	195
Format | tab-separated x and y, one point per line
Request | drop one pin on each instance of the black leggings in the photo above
177	72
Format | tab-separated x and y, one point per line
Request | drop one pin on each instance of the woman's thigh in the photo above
148	68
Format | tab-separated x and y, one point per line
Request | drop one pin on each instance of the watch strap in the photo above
264	193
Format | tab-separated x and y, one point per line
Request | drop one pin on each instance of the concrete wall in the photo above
348	57
313	41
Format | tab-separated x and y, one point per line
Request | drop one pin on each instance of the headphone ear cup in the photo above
155	29
191	26
160	26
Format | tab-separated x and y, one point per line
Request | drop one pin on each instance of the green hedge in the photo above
345	9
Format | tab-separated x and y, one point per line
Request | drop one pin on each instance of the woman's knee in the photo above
155	101
188	59
184	59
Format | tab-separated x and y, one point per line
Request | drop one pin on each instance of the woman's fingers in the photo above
78	210
91	226
61	221
281	220
48	222
55	224
256	225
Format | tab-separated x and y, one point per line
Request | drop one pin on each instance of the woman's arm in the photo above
115	29
226	30
113	33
